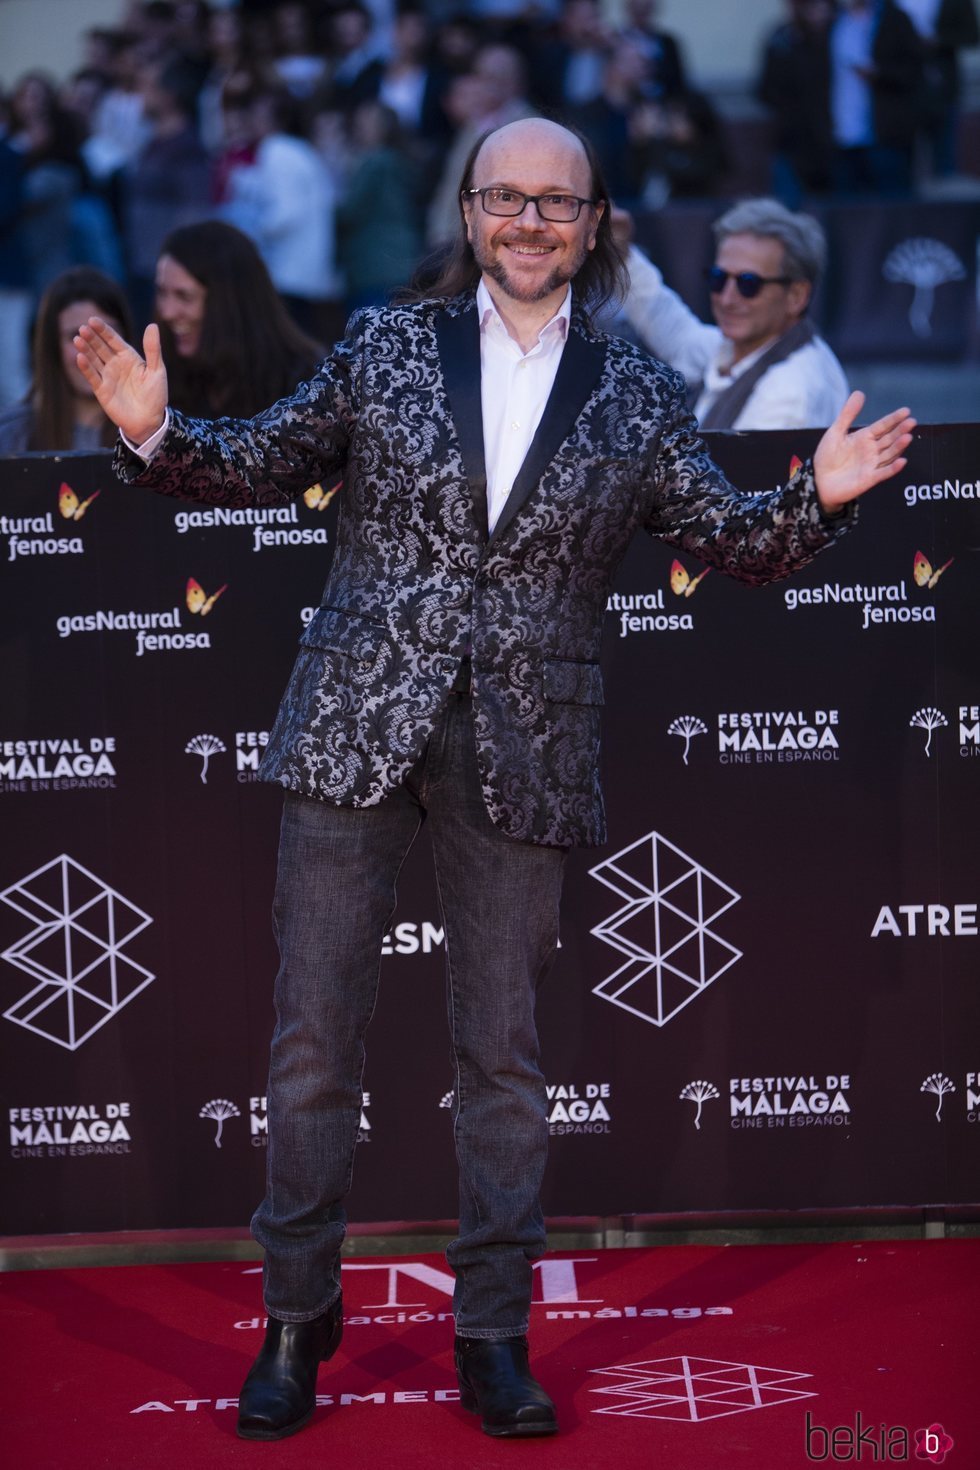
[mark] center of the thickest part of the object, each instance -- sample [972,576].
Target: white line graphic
[74,952]
[696,1389]
[663,928]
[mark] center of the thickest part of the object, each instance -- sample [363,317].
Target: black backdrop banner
[767,991]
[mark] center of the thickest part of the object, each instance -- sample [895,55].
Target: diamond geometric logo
[672,955]
[74,952]
[694,1389]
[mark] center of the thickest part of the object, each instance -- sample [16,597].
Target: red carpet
[692,1358]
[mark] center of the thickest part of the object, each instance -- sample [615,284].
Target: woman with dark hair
[229,345]
[60,410]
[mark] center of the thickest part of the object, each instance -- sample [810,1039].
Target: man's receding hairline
[534,124]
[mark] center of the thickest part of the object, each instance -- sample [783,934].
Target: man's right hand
[131,391]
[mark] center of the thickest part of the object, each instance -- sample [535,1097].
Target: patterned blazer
[416,580]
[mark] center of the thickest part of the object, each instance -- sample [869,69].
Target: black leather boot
[495,1382]
[279,1395]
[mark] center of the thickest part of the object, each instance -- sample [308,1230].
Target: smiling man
[498,454]
[763,366]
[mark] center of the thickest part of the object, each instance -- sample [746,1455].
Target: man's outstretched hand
[846,464]
[131,390]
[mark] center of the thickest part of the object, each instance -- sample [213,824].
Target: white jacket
[805,390]
[285,202]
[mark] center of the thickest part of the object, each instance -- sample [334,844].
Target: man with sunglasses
[762,366]
[498,454]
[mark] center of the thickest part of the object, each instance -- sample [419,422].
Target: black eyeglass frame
[528,199]
[748,284]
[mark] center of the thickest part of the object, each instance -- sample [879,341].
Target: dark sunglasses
[747,283]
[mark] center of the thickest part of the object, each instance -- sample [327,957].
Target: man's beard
[493,265]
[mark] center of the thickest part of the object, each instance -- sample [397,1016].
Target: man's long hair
[602,277]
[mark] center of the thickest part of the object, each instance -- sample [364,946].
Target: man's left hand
[846,464]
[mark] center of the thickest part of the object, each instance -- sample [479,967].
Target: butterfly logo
[316,498]
[69,504]
[922,571]
[197,599]
[681,583]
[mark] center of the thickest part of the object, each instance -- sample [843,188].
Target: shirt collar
[488,313]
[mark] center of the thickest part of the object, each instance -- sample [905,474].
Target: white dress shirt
[514,388]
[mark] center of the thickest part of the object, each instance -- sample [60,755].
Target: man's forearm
[665,325]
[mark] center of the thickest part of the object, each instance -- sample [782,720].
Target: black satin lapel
[578,372]
[459,354]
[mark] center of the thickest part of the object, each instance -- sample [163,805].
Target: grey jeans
[335,895]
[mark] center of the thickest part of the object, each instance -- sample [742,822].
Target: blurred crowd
[331,134]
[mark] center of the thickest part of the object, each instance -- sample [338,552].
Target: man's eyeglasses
[556,208]
[747,283]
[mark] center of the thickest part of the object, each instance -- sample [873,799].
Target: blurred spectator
[567,71]
[156,21]
[299,62]
[229,54]
[229,345]
[94,230]
[285,202]
[794,82]
[330,137]
[677,149]
[16,296]
[379,235]
[763,366]
[53,176]
[493,93]
[666,63]
[60,410]
[357,51]
[607,120]
[191,36]
[875,96]
[945,27]
[119,128]
[238,140]
[407,83]
[169,182]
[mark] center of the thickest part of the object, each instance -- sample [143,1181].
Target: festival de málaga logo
[271,525]
[38,536]
[156,632]
[969,716]
[58,763]
[766,737]
[803,1101]
[205,746]
[940,1086]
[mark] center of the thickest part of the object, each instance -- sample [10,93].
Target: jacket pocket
[567,681]
[336,631]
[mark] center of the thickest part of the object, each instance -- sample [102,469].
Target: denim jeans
[335,895]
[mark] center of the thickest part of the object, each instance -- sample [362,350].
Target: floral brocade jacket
[416,583]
